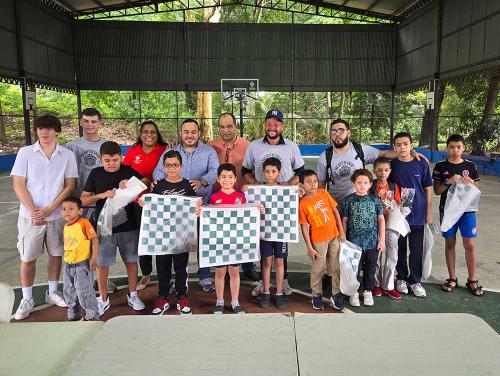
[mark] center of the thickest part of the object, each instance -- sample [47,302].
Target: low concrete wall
[488,166]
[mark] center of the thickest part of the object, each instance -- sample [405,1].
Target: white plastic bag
[396,221]
[427,252]
[461,198]
[349,258]
[113,213]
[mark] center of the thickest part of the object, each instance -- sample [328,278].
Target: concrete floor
[488,258]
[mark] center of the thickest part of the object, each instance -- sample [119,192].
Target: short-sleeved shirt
[342,167]
[234,155]
[77,237]
[362,219]
[412,177]
[143,163]
[100,181]
[44,177]
[387,196]
[445,169]
[286,151]
[221,198]
[181,188]
[317,211]
[87,158]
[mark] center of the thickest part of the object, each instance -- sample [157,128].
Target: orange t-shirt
[318,212]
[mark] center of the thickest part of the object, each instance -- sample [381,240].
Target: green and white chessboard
[281,218]
[229,234]
[168,225]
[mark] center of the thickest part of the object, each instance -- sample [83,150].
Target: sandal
[477,289]
[449,285]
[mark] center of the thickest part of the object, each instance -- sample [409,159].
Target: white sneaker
[135,302]
[418,290]
[401,286]
[354,300]
[56,298]
[103,306]
[25,308]
[287,290]
[367,298]
[258,289]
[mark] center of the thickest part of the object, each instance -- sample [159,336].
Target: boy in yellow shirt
[79,237]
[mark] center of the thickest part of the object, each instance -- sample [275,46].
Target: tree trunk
[341,104]
[204,99]
[430,122]
[3,134]
[485,128]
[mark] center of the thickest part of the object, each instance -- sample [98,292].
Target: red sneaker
[392,293]
[183,306]
[377,291]
[161,306]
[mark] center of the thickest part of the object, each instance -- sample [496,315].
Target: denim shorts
[126,242]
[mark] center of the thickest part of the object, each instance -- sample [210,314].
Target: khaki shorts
[33,239]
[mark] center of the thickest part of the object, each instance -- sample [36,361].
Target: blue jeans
[415,239]
[368,264]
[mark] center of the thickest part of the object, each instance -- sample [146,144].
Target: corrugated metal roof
[384,9]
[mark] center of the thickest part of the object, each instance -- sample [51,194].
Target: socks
[219,303]
[27,292]
[235,304]
[132,294]
[279,294]
[53,286]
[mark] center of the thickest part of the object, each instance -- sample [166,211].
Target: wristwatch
[203,182]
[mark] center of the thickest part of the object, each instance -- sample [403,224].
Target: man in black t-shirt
[101,185]
[446,173]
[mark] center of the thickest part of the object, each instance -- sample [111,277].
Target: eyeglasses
[339,131]
[172,165]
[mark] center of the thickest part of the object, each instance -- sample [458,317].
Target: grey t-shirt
[288,153]
[342,167]
[87,158]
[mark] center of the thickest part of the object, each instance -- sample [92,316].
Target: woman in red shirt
[143,157]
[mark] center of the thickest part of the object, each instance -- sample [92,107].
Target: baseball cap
[275,114]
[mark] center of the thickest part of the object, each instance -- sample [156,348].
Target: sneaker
[354,300]
[77,318]
[258,289]
[251,275]
[161,306]
[281,301]
[103,306]
[317,302]
[56,298]
[239,310]
[207,285]
[377,291]
[265,300]
[287,290]
[135,302]
[367,298]
[25,308]
[338,302]
[218,309]
[401,286]
[418,290]
[183,306]
[392,293]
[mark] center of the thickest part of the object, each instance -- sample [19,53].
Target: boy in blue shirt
[364,225]
[414,179]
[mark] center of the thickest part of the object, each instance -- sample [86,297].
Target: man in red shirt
[231,148]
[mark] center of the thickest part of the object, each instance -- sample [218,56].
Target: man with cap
[273,144]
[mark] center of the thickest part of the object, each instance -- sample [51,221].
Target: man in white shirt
[44,174]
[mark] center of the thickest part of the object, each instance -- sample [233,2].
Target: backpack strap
[359,151]
[328,156]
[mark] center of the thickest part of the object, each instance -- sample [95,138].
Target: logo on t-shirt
[465,173]
[343,169]
[218,201]
[237,201]
[137,159]
[90,159]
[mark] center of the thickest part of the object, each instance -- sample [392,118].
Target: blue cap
[275,114]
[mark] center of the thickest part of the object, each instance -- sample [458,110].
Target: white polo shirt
[44,177]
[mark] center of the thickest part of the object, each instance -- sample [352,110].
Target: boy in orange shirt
[322,230]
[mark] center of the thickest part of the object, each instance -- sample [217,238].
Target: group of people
[62,192]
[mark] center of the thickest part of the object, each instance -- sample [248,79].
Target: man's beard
[339,145]
[273,137]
